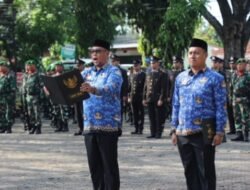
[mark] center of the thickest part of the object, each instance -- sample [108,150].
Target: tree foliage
[179,24]
[206,31]
[146,16]
[234,31]
[41,23]
[94,20]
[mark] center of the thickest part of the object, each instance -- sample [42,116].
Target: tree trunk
[233,41]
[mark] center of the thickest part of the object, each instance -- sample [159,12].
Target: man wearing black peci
[199,103]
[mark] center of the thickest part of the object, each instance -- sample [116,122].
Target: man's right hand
[174,139]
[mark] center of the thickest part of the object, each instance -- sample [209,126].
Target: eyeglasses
[97,51]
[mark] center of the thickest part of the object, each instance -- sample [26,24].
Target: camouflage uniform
[32,88]
[11,100]
[241,104]
[7,89]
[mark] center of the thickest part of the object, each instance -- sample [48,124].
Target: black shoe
[78,133]
[38,131]
[239,137]
[134,133]
[32,130]
[158,136]
[2,131]
[140,132]
[151,136]
[246,136]
[8,131]
[231,133]
[58,130]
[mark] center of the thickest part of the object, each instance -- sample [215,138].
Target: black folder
[65,88]
[208,130]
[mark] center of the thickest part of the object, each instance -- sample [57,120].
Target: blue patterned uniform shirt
[198,97]
[102,111]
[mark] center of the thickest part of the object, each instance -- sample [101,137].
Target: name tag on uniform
[185,81]
[203,80]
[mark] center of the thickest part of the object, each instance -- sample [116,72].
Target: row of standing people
[33,100]
[237,79]
[152,89]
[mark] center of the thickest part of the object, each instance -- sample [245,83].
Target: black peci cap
[198,43]
[101,43]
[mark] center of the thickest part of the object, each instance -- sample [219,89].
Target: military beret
[198,43]
[30,62]
[241,60]
[58,63]
[3,62]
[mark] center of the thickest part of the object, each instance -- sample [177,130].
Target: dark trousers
[156,118]
[79,114]
[192,153]
[230,114]
[138,114]
[102,159]
[209,158]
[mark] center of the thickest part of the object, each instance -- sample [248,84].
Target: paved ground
[57,161]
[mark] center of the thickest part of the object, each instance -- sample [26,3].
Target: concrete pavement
[53,161]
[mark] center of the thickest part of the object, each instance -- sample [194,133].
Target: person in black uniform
[79,106]
[177,68]
[137,80]
[155,97]
[124,88]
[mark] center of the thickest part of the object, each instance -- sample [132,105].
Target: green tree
[146,16]
[234,31]
[177,29]
[41,23]
[94,20]
[173,29]
[207,32]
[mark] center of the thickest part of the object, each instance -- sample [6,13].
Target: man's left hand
[217,140]
[159,103]
[86,87]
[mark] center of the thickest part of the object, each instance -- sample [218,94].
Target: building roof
[125,41]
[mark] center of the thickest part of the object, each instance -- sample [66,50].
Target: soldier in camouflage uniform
[11,99]
[32,88]
[7,89]
[241,101]
[60,113]
[229,74]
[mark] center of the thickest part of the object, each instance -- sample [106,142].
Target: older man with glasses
[102,117]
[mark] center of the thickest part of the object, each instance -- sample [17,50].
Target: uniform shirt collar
[191,73]
[102,68]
